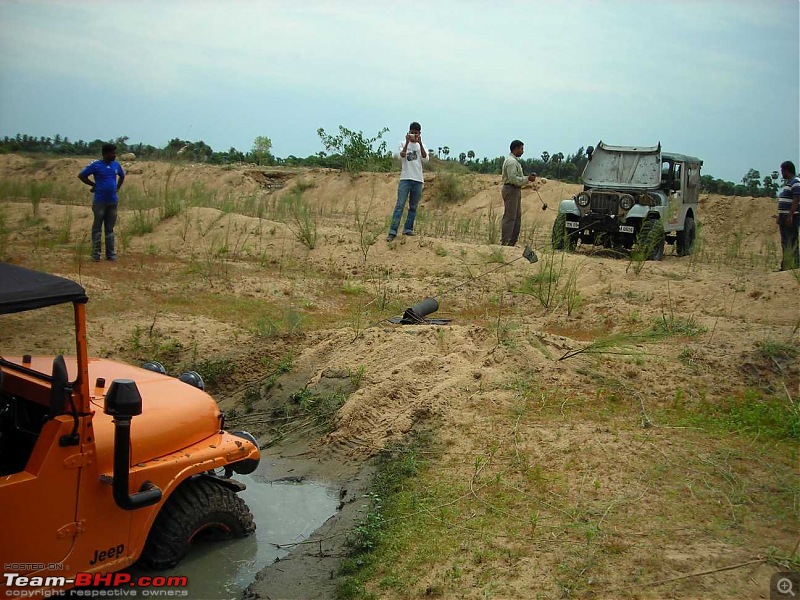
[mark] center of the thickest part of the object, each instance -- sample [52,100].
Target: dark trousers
[105,217]
[790,251]
[512,217]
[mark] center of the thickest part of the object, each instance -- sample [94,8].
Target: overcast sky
[715,79]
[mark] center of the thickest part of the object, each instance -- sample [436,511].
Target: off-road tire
[650,242]
[685,244]
[200,509]
[561,238]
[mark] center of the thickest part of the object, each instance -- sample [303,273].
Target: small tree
[357,151]
[369,230]
[556,160]
[750,176]
[262,146]
[471,155]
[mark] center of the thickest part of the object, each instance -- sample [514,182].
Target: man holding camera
[411,152]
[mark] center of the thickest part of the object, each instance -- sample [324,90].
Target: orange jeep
[102,463]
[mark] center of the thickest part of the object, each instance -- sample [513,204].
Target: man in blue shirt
[789,216]
[108,178]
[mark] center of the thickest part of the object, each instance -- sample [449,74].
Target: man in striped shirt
[789,216]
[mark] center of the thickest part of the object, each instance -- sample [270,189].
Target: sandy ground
[209,280]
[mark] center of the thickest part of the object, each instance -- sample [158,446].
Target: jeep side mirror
[676,184]
[59,387]
[123,402]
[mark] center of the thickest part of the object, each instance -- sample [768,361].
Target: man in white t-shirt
[411,152]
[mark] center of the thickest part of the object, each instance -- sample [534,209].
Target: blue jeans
[105,217]
[411,190]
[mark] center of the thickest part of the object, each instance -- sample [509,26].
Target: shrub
[449,188]
[357,151]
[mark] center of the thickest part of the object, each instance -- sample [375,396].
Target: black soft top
[22,289]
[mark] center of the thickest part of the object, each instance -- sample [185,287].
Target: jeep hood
[175,415]
[633,167]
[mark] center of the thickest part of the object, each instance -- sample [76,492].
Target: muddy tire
[561,238]
[199,510]
[650,243]
[685,244]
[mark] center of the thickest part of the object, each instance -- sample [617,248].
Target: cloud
[472,70]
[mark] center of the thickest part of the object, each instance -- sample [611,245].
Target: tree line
[353,151]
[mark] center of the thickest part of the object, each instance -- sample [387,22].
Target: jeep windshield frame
[22,290]
[626,167]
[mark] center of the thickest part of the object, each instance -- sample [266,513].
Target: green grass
[265,327]
[533,489]
[320,407]
[215,370]
[390,497]
[350,288]
[750,413]
[304,220]
[672,324]
[778,350]
[544,285]
[149,343]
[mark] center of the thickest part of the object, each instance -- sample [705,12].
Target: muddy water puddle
[284,512]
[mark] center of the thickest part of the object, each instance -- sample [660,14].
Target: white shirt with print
[412,164]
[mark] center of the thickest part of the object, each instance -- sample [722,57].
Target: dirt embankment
[226,282]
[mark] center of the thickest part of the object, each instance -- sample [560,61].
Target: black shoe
[390,237]
[409,233]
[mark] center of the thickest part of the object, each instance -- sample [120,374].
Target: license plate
[573,225]
[626,228]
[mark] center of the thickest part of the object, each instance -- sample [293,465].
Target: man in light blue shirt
[108,178]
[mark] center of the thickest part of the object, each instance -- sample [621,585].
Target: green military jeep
[633,197]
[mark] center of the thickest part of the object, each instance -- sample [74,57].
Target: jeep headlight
[626,202]
[583,200]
